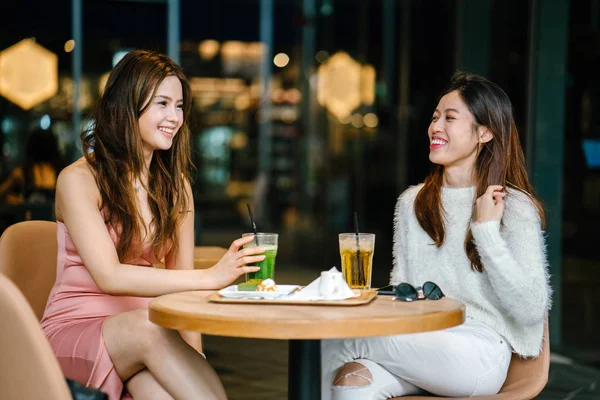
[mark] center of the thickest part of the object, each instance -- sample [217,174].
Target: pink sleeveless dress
[75,313]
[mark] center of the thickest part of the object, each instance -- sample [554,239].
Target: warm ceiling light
[28,74]
[357,121]
[69,45]
[208,49]
[232,50]
[281,60]
[371,120]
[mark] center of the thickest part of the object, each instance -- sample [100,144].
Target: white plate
[232,292]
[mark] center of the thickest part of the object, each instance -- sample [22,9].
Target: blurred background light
[28,74]
[7,125]
[288,115]
[45,122]
[242,102]
[208,49]
[371,120]
[238,141]
[293,96]
[357,121]
[367,85]
[322,56]
[345,119]
[255,50]
[232,50]
[69,45]
[281,60]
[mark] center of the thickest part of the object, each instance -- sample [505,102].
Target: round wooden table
[304,326]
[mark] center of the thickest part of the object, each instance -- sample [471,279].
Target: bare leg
[353,374]
[364,379]
[143,386]
[135,343]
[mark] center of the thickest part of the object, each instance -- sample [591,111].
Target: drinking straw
[253,223]
[358,263]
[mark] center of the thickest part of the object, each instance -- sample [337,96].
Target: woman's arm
[515,262]
[77,204]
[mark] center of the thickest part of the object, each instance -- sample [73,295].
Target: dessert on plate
[268,285]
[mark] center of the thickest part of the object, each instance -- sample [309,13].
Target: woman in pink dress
[121,209]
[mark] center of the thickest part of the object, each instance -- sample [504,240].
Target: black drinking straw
[253,223]
[358,263]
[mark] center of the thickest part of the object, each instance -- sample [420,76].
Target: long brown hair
[113,148]
[499,161]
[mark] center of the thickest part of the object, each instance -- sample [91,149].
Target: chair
[28,368]
[207,256]
[525,379]
[28,254]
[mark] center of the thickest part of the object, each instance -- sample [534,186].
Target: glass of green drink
[267,266]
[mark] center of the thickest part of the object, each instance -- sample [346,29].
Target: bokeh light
[281,60]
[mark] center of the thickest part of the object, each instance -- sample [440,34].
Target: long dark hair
[113,147]
[499,161]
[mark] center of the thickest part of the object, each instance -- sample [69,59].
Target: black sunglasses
[407,292]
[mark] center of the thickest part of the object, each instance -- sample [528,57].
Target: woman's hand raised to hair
[234,262]
[490,206]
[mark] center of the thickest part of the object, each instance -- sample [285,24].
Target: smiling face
[162,119]
[453,135]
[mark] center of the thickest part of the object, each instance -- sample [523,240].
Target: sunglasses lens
[406,292]
[432,291]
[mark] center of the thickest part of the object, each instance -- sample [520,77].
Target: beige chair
[28,368]
[28,253]
[207,256]
[525,380]
[28,256]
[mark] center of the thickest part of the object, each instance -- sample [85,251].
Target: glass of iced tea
[356,252]
[267,266]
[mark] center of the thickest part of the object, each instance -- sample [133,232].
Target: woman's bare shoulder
[76,182]
[79,172]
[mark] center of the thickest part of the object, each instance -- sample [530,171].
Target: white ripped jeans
[467,360]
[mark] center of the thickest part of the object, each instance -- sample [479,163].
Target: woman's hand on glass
[490,206]
[235,262]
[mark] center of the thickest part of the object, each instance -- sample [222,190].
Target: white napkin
[329,286]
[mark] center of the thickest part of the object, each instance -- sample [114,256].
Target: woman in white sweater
[474,228]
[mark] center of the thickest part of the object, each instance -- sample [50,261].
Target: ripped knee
[353,374]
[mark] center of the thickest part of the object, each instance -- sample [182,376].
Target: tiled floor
[257,369]
[571,381]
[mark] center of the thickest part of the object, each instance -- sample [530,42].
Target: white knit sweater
[512,295]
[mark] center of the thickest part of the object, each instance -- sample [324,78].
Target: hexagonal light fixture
[28,74]
[343,84]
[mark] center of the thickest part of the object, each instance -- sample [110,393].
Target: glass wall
[581,196]
[343,127]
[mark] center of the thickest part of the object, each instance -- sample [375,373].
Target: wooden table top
[383,316]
